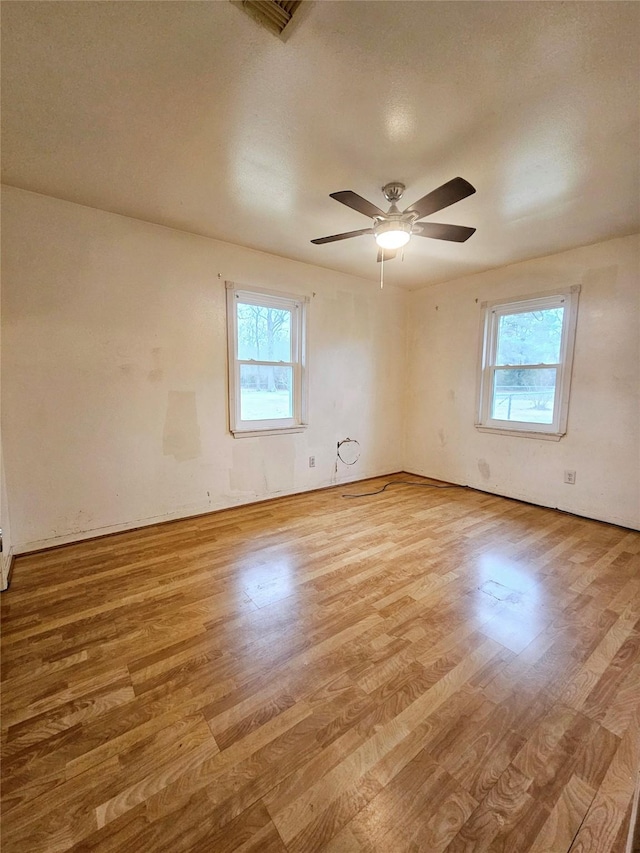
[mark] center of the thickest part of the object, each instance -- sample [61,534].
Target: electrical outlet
[312,462]
[570,477]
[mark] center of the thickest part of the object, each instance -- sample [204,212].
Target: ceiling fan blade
[389,254]
[356,202]
[454,233]
[449,193]
[332,239]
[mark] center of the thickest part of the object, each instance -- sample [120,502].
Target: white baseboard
[193,511]
[630,524]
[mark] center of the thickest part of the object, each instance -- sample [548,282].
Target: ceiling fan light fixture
[393,235]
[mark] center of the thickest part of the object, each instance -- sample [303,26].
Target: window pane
[264,333]
[265,392]
[530,338]
[524,395]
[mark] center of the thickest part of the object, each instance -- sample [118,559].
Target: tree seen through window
[264,335]
[528,338]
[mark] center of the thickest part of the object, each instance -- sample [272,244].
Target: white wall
[603,440]
[114,335]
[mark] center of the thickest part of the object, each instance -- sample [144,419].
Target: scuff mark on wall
[263,465]
[248,474]
[485,470]
[181,436]
[442,437]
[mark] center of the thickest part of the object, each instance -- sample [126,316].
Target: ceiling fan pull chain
[382,271]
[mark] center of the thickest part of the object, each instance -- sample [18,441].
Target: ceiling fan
[394,229]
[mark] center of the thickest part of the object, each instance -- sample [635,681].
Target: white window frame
[492,312]
[298,307]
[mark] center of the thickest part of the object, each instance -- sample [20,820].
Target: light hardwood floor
[422,670]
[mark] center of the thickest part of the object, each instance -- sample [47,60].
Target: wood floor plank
[419,670]
[606,813]
[496,815]
[559,830]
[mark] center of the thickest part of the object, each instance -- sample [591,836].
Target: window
[267,362]
[525,365]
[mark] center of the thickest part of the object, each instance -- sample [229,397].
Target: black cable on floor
[401,483]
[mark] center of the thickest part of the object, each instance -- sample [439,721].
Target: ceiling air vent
[272,14]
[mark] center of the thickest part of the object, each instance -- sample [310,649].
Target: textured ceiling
[191,115]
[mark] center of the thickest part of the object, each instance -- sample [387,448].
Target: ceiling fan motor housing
[393,191]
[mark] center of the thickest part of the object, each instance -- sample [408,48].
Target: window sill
[522,433]
[255,433]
